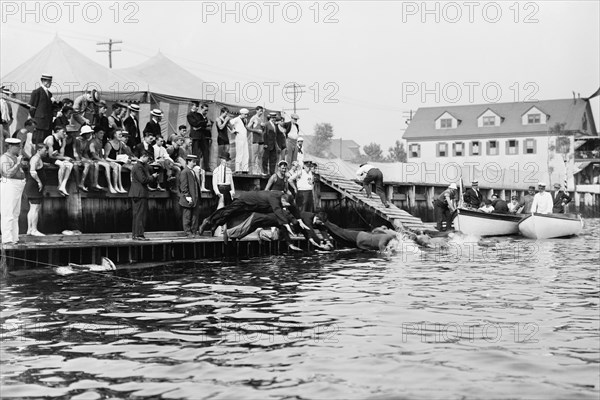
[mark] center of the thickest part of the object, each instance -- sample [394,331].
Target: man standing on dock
[444,207]
[12,184]
[561,199]
[473,197]
[368,174]
[140,178]
[542,201]
[189,197]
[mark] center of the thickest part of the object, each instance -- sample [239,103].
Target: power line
[110,49]
[297,91]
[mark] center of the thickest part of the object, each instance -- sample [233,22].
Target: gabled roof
[72,72]
[489,109]
[537,108]
[447,112]
[349,148]
[569,111]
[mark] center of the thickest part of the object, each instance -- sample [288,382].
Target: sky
[364,66]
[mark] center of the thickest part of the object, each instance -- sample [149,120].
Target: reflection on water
[507,319]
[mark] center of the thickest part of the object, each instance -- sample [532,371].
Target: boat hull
[549,226]
[478,223]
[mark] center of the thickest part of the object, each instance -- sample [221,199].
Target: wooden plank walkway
[396,216]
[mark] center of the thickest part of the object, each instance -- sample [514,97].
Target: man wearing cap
[242,155]
[293,135]
[132,126]
[189,197]
[222,181]
[279,181]
[560,199]
[12,184]
[473,197]
[270,145]
[444,207]
[369,174]
[138,192]
[526,201]
[40,110]
[82,106]
[542,201]
[256,126]
[153,126]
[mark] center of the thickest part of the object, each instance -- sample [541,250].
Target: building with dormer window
[506,134]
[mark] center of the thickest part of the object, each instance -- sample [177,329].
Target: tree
[397,153]
[374,152]
[319,146]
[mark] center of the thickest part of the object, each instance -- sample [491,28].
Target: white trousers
[11,191]
[242,154]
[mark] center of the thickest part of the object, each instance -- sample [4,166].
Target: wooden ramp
[396,216]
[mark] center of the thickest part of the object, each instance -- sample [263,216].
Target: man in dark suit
[255,201]
[560,199]
[41,109]
[153,126]
[200,133]
[473,197]
[147,145]
[140,178]
[270,145]
[189,197]
[132,126]
[500,206]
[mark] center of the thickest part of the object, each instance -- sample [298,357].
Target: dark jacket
[500,206]
[270,136]
[188,186]
[559,198]
[137,150]
[41,108]
[473,198]
[281,136]
[199,126]
[133,128]
[140,178]
[153,128]
[267,202]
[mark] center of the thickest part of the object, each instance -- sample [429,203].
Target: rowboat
[548,226]
[479,223]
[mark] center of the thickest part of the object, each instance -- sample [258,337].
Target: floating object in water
[548,226]
[106,265]
[479,223]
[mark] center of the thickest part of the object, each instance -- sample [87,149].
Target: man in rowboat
[473,197]
[560,199]
[542,201]
[527,201]
[444,207]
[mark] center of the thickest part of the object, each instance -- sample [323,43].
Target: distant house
[511,135]
[347,150]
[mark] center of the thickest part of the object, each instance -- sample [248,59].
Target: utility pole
[408,115]
[110,49]
[296,91]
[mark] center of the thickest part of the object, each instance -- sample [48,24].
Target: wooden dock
[60,250]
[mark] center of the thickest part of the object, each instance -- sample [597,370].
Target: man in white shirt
[293,137]
[222,181]
[242,154]
[305,183]
[161,156]
[368,174]
[255,126]
[542,201]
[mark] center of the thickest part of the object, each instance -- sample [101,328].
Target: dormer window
[489,121]
[446,123]
[534,116]
[533,119]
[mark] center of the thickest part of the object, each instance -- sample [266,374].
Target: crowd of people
[542,202]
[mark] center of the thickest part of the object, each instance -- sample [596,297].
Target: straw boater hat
[475,183]
[272,115]
[46,77]
[244,111]
[190,157]
[541,184]
[300,139]
[294,116]
[557,185]
[12,141]
[134,107]
[156,113]
[6,91]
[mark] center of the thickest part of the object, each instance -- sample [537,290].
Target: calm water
[514,319]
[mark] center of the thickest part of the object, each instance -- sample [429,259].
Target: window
[458,149]
[533,119]
[512,147]
[489,121]
[475,149]
[492,148]
[442,150]
[415,150]
[446,123]
[530,146]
